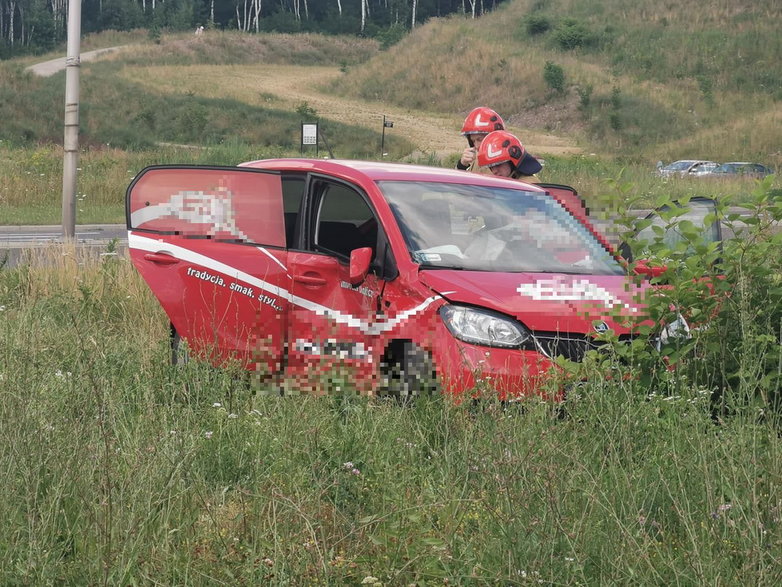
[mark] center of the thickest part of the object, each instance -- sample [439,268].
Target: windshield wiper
[430,266]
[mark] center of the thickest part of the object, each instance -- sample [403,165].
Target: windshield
[678,166]
[458,226]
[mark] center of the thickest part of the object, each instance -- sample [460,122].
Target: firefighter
[505,156]
[479,123]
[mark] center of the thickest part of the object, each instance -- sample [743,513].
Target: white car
[687,168]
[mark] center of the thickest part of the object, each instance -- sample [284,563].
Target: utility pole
[71,139]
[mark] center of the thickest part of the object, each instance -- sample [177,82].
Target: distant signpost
[386,124]
[309,135]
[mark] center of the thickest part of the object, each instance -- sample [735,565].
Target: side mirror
[359,264]
[642,267]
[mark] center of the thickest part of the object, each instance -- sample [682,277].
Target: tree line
[34,26]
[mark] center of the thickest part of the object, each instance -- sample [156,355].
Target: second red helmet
[501,146]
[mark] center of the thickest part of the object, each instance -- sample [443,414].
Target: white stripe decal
[273,258]
[151,245]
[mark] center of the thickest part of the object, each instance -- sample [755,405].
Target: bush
[571,35]
[730,294]
[537,24]
[391,35]
[305,111]
[554,76]
[584,96]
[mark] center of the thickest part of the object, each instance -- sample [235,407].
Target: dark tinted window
[344,221]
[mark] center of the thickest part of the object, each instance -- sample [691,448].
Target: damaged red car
[388,278]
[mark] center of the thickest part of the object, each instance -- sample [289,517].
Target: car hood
[544,302]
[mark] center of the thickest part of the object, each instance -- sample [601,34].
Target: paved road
[52,66]
[90,238]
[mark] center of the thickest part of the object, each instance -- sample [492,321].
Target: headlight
[484,327]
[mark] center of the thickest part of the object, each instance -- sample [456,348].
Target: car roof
[382,171]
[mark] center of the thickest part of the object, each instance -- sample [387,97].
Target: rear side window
[226,204]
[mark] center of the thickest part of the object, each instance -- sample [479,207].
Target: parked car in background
[741,168]
[687,168]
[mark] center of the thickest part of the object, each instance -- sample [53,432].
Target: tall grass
[122,470]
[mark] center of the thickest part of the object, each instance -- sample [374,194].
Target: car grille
[570,346]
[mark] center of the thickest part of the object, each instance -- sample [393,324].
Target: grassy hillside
[116,111]
[647,82]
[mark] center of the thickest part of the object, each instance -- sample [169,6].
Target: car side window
[292,195]
[343,221]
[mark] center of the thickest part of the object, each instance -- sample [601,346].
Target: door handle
[161,258]
[309,279]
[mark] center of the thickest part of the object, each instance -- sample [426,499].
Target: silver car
[687,168]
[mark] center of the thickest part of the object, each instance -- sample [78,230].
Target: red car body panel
[211,243]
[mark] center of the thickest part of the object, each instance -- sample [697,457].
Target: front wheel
[408,373]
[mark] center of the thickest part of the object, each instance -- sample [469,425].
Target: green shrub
[554,76]
[730,293]
[391,36]
[584,96]
[706,85]
[154,34]
[305,111]
[537,24]
[616,98]
[571,34]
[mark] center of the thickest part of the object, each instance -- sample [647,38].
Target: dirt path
[47,68]
[287,86]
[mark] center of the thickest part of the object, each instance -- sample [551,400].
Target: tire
[408,373]
[180,352]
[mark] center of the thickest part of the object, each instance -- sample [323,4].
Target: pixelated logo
[214,209]
[558,289]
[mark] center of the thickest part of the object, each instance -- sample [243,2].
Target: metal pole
[71,138]
[383,138]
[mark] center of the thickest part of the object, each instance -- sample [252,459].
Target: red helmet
[501,146]
[482,120]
